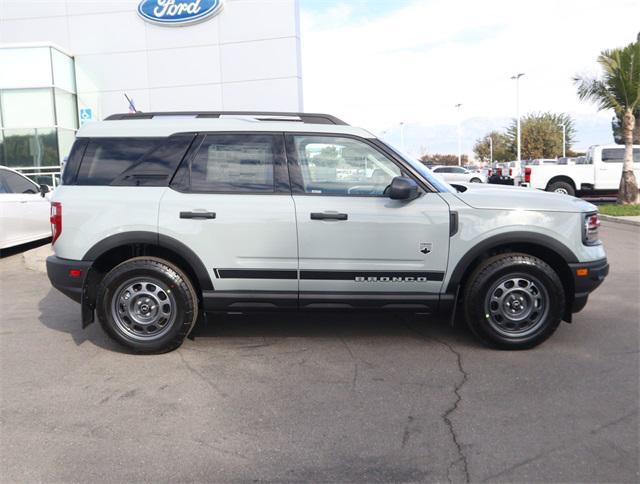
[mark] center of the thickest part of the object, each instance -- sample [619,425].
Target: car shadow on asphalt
[59,314]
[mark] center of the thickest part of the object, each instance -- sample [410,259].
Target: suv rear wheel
[147,304]
[514,301]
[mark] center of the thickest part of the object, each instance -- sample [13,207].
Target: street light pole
[459,136]
[517,79]
[490,149]
[564,140]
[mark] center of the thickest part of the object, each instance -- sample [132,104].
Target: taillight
[56,221]
[527,174]
[590,229]
[499,171]
[489,173]
[510,171]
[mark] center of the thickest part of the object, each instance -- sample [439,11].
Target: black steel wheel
[147,304]
[514,301]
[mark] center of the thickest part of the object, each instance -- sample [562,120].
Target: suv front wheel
[147,304]
[514,301]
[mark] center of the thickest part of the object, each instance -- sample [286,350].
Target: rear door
[609,171]
[358,248]
[230,202]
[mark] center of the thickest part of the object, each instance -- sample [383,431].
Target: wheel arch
[550,250]
[561,178]
[117,248]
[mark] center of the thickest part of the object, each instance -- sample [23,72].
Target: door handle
[328,216]
[198,215]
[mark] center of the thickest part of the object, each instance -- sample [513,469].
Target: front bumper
[592,275]
[60,276]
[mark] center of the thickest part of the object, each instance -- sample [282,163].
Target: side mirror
[403,188]
[43,189]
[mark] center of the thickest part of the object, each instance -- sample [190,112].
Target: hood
[505,197]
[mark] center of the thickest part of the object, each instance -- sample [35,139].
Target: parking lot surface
[329,398]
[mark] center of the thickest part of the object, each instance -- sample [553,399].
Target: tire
[513,301]
[561,187]
[475,180]
[147,304]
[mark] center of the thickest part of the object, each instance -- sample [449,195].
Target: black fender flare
[159,240]
[520,237]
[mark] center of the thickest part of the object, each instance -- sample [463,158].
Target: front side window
[342,166]
[234,163]
[18,184]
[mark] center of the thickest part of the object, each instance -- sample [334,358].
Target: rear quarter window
[105,159]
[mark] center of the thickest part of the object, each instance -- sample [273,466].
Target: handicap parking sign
[86,114]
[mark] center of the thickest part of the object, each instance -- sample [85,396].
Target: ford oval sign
[178,12]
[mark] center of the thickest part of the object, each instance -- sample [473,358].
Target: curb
[611,218]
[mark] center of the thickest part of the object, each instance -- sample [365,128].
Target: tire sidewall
[564,185]
[136,269]
[476,303]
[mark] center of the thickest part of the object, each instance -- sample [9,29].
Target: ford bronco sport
[163,217]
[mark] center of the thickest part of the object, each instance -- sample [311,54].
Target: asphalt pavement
[323,398]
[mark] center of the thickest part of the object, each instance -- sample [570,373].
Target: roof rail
[307,118]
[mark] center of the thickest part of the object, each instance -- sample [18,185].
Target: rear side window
[158,166]
[234,163]
[4,188]
[105,159]
[616,155]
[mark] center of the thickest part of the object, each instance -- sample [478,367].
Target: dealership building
[67,62]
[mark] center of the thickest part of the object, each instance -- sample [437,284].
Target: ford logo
[178,12]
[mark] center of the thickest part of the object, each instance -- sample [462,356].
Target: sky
[378,63]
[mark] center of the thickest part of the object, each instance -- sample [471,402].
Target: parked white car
[600,174]
[24,209]
[459,174]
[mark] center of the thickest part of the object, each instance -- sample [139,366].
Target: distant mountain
[443,138]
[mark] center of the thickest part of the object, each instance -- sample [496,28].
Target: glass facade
[38,109]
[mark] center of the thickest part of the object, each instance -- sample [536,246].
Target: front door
[231,204]
[357,247]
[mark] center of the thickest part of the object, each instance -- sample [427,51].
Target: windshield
[435,181]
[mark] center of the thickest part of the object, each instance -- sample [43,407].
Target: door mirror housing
[403,188]
[44,189]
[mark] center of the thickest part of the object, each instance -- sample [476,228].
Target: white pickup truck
[599,175]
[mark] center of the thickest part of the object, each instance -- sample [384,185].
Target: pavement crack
[448,414]
[354,380]
[407,431]
[202,377]
[450,411]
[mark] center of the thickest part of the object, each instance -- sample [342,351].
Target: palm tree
[618,89]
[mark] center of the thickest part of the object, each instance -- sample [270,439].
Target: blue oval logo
[178,12]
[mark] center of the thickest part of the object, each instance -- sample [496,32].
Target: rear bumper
[596,271]
[501,180]
[58,272]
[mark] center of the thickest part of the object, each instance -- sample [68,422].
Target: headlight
[590,226]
